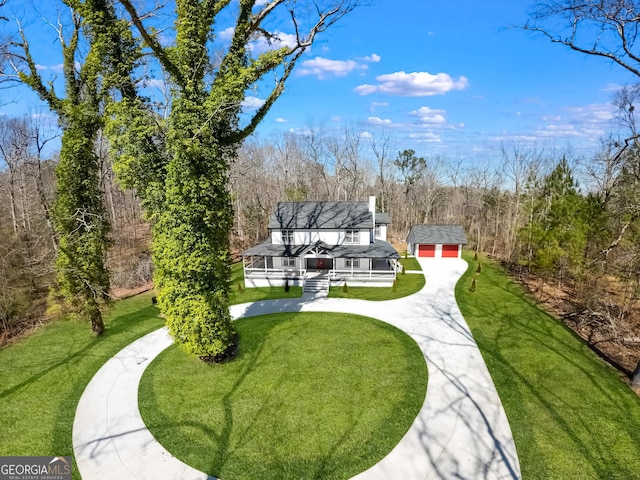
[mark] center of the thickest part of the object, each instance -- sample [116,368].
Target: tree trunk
[635,377]
[97,324]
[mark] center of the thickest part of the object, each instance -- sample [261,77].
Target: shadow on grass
[225,441]
[569,412]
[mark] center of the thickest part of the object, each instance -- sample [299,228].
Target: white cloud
[252,103]
[261,44]
[54,68]
[366,135]
[324,67]
[416,84]
[226,34]
[427,115]
[378,121]
[428,137]
[278,40]
[280,120]
[374,57]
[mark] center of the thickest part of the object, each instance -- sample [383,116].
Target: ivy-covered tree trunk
[99,55]
[180,167]
[80,222]
[191,237]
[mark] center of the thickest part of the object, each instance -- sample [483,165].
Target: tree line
[202,184]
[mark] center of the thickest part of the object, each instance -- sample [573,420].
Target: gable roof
[431,234]
[382,218]
[322,215]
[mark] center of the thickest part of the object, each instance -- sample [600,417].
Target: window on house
[377,232]
[289,262]
[352,262]
[352,236]
[287,237]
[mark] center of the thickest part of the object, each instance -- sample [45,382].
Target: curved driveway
[461,431]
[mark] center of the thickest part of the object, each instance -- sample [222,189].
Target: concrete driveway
[461,431]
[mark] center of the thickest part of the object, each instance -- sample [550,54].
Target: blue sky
[452,79]
[443,78]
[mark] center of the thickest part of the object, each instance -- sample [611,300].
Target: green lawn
[410,263]
[571,415]
[406,284]
[43,376]
[311,395]
[256,294]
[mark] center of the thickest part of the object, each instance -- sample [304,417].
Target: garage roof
[432,234]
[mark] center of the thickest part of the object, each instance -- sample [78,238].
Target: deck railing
[356,274]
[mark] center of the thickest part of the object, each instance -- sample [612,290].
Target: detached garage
[437,241]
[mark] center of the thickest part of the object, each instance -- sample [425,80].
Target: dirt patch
[122,293]
[596,315]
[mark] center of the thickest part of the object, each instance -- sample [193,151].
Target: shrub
[404,270]
[345,288]
[394,288]
[240,287]
[286,285]
[479,269]
[472,288]
[475,256]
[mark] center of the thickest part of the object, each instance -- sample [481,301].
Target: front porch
[263,271]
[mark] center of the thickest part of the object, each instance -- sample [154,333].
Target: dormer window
[352,236]
[287,237]
[377,233]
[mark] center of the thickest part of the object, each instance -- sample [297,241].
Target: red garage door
[426,250]
[450,251]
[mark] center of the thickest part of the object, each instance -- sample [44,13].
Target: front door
[319,263]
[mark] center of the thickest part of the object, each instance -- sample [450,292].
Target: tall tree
[185,191]
[78,212]
[558,227]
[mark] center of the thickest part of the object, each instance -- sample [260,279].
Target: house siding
[330,237]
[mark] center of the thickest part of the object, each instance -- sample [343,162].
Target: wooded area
[579,247]
[182,164]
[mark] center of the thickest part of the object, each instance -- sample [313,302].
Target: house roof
[324,215]
[379,249]
[431,234]
[382,217]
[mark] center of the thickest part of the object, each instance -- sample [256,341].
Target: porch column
[265,266]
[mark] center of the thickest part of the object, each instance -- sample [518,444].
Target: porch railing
[373,274]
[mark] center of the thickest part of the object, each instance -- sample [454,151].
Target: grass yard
[43,376]
[311,395]
[570,414]
[406,284]
[256,294]
[410,263]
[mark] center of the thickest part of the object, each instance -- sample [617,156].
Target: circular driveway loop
[461,431]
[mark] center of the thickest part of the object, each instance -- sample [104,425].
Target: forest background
[565,225]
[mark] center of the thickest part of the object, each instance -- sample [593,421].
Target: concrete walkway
[461,431]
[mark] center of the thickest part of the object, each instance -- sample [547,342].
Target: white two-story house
[343,241]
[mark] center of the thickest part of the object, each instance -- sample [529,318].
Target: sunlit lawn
[570,414]
[43,376]
[311,395]
[410,263]
[240,294]
[406,284]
